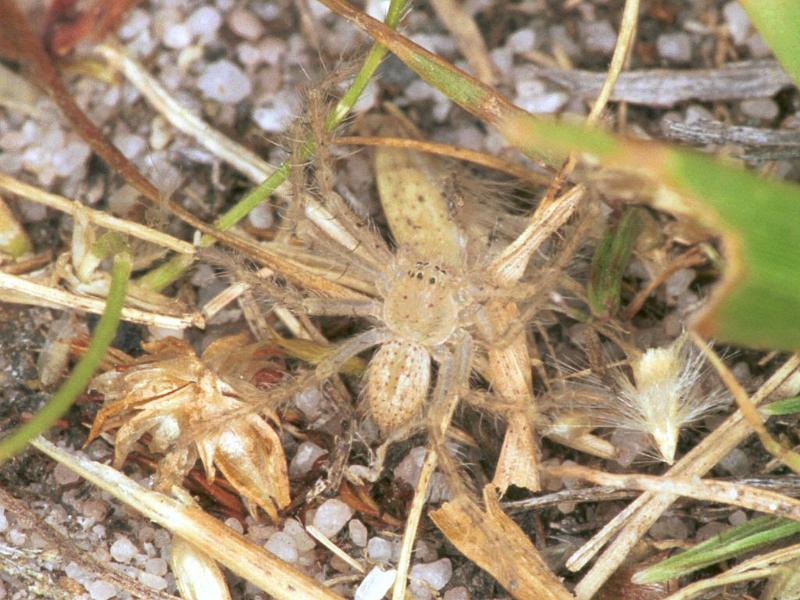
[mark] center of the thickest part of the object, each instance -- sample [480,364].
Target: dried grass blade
[723,492]
[98,217]
[23,291]
[491,540]
[221,543]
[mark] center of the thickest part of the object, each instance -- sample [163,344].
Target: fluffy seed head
[665,394]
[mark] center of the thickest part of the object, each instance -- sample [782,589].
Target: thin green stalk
[167,273]
[728,544]
[79,378]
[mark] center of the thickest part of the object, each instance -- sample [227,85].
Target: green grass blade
[778,22]
[80,376]
[609,262]
[787,406]
[729,544]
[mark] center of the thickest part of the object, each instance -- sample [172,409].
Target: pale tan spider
[442,290]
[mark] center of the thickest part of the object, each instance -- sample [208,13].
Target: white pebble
[65,476]
[204,22]
[331,516]
[12,141]
[272,50]
[234,524]
[409,468]
[130,145]
[101,590]
[310,403]
[282,545]
[358,532]
[456,593]
[434,575]
[248,54]
[245,24]
[67,160]
[521,41]
[679,282]
[760,108]
[224,82]
[156,566]
[305,543]
[177,36]
[3,519]
[95,510]
[379,549]
[152,581]
[738,22]
[277,113]
[261,216]
[137,22]
[16,537]
[307,454]
[123,550]
[376,584]
[598,36]
[675,47]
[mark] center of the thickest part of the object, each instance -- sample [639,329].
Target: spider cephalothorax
[421,303]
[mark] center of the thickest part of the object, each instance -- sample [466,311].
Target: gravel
[675,47]
[376,584]
[358,532]
[224,82]
[332,516]
[123,550]
[379,550]
[282,545]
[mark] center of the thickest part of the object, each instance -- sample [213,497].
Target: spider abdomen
[397,385]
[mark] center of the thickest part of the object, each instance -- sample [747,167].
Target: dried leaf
[170,393]
[495,543]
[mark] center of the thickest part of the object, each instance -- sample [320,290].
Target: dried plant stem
[787,456]
[723,492]
[99,218]
[20,290]
[467,37]
[221,543]
[412,524]
[639,516]
[271,180]
[79,378]
[465,154]
[184,120]
[328,543]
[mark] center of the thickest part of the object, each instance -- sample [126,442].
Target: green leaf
[778,22]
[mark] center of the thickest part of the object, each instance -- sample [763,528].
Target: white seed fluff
[665,394]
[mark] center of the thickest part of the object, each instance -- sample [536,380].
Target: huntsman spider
[439,294]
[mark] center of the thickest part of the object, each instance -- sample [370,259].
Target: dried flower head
[666,394]
[170,393]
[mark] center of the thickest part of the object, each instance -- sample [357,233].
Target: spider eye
[419,275]
[432,280]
